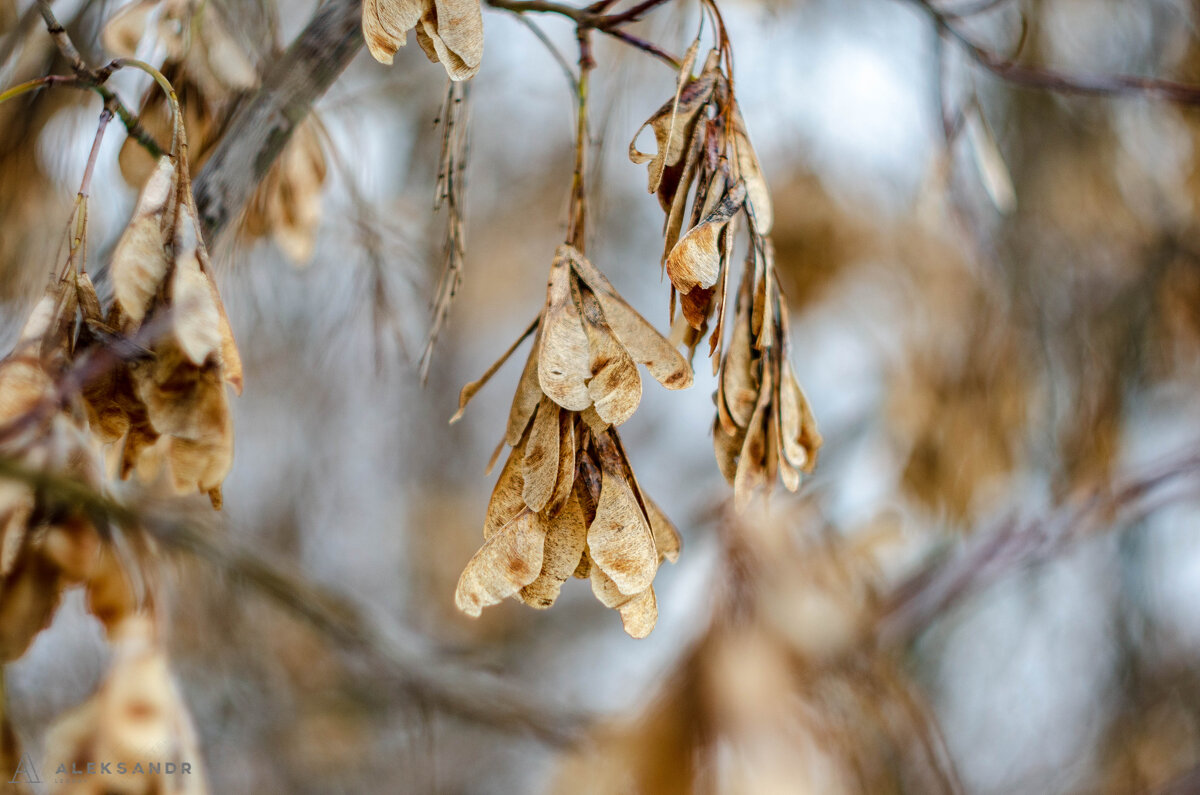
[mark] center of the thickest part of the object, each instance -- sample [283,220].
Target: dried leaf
[506,563]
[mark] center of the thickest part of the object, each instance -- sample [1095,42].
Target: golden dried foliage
[567,502]
[449,31]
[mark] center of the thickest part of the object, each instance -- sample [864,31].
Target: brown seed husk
[506,563]
[619,538]
[563,369]
[565,539]
[616,387]
[541,462]
[643,342]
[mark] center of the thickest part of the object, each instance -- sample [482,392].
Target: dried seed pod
[169,408]
[449,31]
[136,708]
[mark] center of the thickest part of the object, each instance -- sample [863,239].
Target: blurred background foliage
[943,608]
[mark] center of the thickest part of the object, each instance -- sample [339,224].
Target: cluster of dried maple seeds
[764,427]
[581,512]
[147,381]
[143,385]
[567,502]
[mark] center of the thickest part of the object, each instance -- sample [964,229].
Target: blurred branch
[1010,71]
[1014,544]
[450,686]
[593,18]
[265,121]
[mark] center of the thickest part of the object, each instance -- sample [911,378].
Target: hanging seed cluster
[567,502]
[764,428]
[146,380]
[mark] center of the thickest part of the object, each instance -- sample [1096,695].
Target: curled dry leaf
[448,31]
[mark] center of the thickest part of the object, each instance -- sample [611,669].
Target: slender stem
[577,227]
[62,39]
[178,136]
[105,117]
[1053,80]
[34,85]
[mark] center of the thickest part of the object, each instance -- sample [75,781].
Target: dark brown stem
[577,226]
[105,117]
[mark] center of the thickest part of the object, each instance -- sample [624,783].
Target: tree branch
[450,686]
[264,122]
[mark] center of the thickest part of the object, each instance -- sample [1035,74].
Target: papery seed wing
[619,538]
[429,37]
[673,124]
[751,465]
[507,499]
[641,340]
[386,24]
[566,535]
[195,319]
[460,27]
[666,536]
[540,466]
[563,357]
[140,260]
[506,563]
[563,488]
[727,447]
[640,614]
[758,195]
[616,387]
[528,395]
[696,259]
